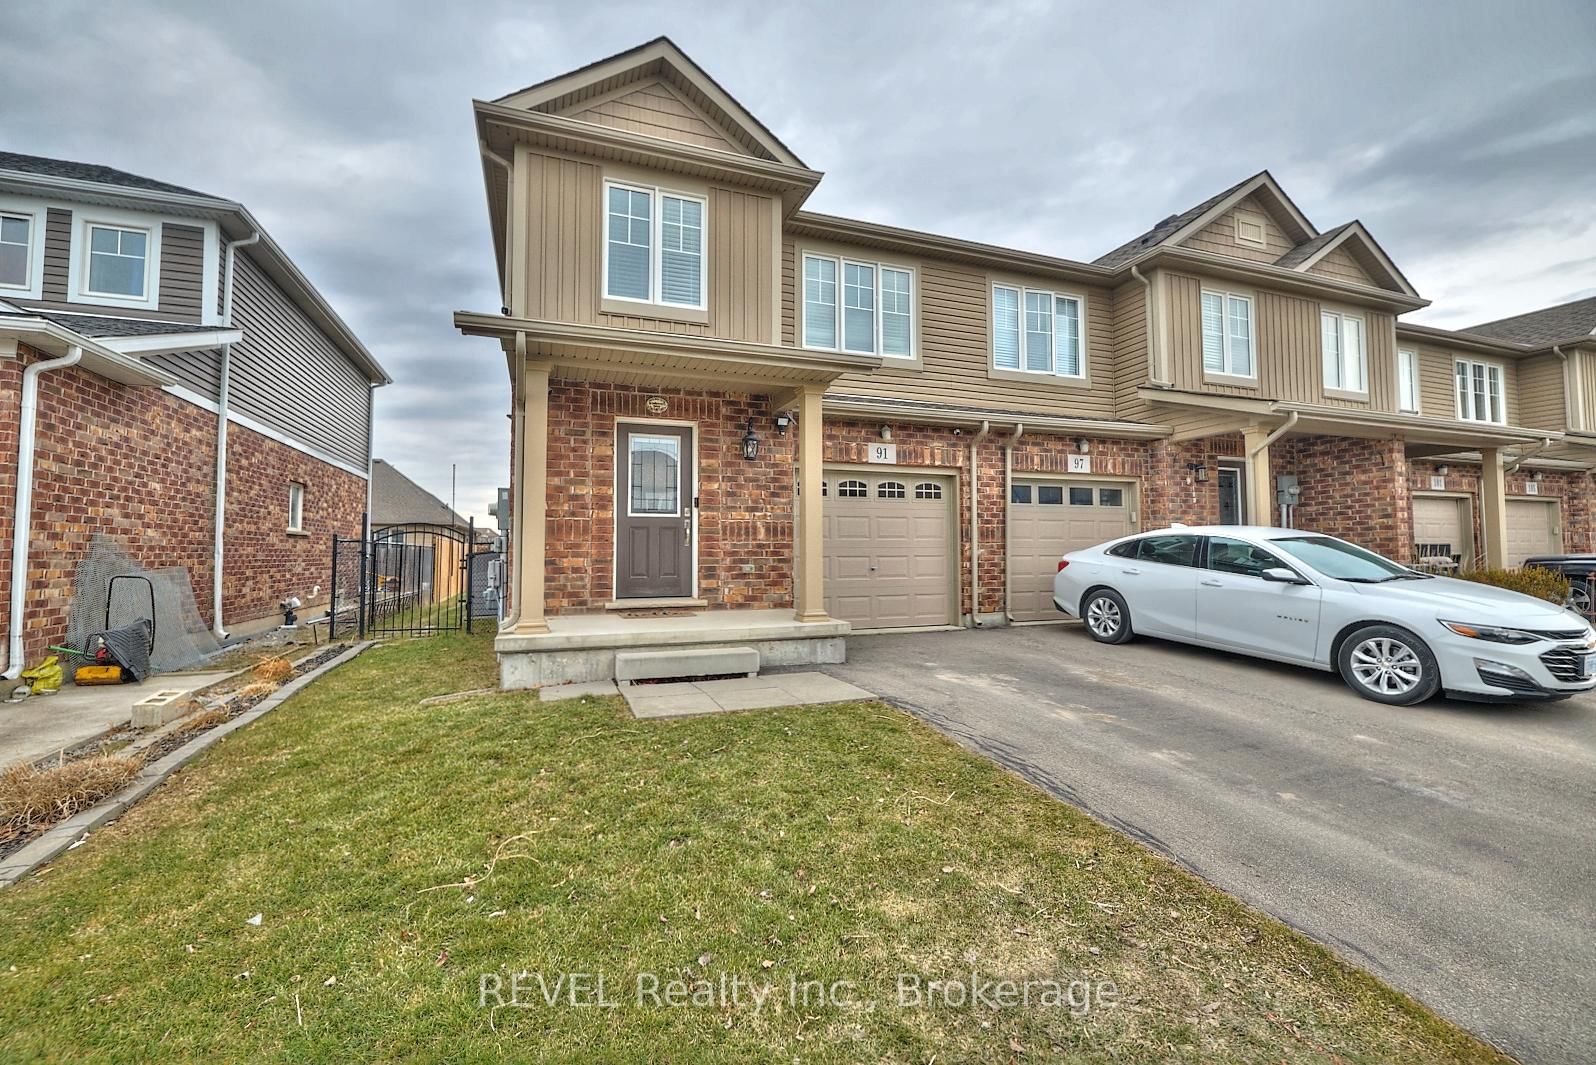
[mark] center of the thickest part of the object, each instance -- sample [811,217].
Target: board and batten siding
[1587,385]
[1287,348]
[953,341]
[564,214]
[179,288]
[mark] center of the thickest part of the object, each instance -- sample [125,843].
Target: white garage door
[888,544]
[1049,518]
[1533,528]
[1438,527]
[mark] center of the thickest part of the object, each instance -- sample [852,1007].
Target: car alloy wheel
[1387,666]
[1579,599]
[1104,618]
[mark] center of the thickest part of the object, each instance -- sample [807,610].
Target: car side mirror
[1281,575]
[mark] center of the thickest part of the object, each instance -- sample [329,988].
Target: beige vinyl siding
[1130,350]
[565,234]
[1587,378]
[656,111]
[954,346]
[1339,265]
[1540,393]
[1286,348]
[1438,383]
[1219,236]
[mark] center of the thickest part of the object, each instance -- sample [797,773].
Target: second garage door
[1533,528]
[888,548]
[1049,518]
[1438,530]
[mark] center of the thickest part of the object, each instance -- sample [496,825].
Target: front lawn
[833,848]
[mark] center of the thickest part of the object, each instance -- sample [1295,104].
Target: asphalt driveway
[1448,848]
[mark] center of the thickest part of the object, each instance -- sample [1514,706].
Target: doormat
[664,612]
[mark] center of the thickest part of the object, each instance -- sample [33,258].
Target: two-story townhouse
[738,421]
[174,392]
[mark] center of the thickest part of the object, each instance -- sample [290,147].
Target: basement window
[296,507]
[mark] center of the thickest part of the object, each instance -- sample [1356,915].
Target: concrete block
[685,662]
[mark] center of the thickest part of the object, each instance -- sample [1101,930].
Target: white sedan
[1394,635]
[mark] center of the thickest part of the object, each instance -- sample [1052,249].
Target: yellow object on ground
[98,675]
[44,677]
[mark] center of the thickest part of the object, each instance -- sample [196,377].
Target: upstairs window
[1479,392]
[654,247]
[859,307]
[1408,382]
[16,250]
[1227,334]
[1342,345]
[119,260]
[1037,332]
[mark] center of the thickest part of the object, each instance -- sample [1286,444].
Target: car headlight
[1492,633]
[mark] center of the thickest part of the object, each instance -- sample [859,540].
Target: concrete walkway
[41,725]
[741,693]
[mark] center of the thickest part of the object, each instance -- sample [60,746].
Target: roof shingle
[103,175]
[397,500]
[1163,230]
[1549,325]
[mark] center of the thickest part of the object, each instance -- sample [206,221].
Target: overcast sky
[1463,134]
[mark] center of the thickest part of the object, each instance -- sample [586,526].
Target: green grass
[840,843]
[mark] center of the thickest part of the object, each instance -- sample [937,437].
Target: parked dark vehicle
[1581,573]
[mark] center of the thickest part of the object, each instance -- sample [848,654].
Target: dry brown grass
[258,688]
[273,670]
[205,719]
[32,798]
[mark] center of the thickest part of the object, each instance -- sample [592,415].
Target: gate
[405,580]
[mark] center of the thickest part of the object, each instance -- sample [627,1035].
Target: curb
[62,837]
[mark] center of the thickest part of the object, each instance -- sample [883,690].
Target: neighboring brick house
[772,424]
[169,381]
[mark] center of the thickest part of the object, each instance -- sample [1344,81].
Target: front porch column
[1260,481]
[810,582]
[532,490]
[1493,507]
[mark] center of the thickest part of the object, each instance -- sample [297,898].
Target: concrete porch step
[664,663]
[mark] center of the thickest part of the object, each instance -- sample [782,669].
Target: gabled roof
[1177,227]
[397,500]
[1566,322]
[1364,249]
[100,175]
[659,58]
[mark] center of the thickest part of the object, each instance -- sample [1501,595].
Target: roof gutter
[22,527]
[219,510]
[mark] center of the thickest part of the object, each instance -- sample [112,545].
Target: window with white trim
[16,250]
[654,246]
[1035,331]
[1407,381]
[860,307]
[119,261]
[1227,334]
[296,507]
[1342,345]
[1479,392]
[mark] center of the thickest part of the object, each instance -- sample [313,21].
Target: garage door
[1049,518]
[1438,527]
[887,546]
[1533,528]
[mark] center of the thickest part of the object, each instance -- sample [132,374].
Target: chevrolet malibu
[1395,635]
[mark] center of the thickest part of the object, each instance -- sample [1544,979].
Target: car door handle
[1210,583]
[1130,571]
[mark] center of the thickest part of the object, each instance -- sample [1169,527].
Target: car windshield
[1333,558]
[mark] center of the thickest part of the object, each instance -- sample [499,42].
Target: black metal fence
[406,580]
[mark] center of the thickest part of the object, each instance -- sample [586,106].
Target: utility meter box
[1287,491]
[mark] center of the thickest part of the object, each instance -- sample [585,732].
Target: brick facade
[138,466]
[1572,489]
[1352,488]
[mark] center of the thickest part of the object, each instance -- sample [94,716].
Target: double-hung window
[1479,392]
[1342,344]
[1227,334]
[1035,331]
[16,250]
[859,307]
[654,246]
[119,261]
[1407,381]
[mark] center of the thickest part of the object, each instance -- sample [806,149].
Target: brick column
[532,488]
[811,595]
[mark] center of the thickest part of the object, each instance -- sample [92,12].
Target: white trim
[842,262]
[1242,217]
[190,396]
[1410,356]
[1369,245]
[1054,295]
[296,497]
[656,249]
[85,216]
[166,343]
[1342,318]
[1226,367]
[211,276]
[1500,396]
[38,215]
[1217,211]
[615,508]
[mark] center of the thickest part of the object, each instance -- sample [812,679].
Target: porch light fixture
[886,432]
[783,419]
[1199,472]
[1083,445]
[1535,475]
[1443,469]
[750,443]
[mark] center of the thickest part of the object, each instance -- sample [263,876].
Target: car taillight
[1062,563]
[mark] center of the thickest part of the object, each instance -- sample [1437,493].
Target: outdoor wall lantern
[1199,472]
[750,443]
[1443,469]
[886,432]
[783,419]
[1083,445]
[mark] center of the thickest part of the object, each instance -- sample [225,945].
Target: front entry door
[1229,496]
[654,483]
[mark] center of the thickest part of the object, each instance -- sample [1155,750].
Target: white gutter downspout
[22,530]
[975,527]
[1527,455]
[1008,494]
[1573,413]
[517,482]
[1263,445]
[219,533]
[1149,324]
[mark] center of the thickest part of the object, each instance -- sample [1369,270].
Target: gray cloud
[1461,134]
